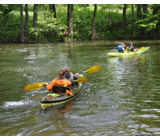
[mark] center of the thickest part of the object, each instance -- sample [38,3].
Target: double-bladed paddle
[34,86]
[93,69]
[40,85]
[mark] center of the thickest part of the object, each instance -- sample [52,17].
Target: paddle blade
[34,86]
[142,48]
[82,80]
[93,69]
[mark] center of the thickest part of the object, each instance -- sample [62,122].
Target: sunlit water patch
[14,104]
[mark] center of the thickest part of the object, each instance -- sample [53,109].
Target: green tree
[6,9]
[93,23]
[151,21]
[35,16]
[133,22]
[145,10]
[26,22]
[22,39]
[48,28]
[139,12]
[70,19]
[46,23]
[54,10]
[124,16]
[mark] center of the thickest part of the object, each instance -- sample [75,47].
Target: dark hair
[61,72]
[130,43]
[66,69]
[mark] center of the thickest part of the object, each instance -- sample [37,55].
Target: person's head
[131,44]
[122,43]
[66,70]
[61,73]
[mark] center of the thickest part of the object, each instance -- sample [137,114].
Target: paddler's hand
[45,84]
[83,72]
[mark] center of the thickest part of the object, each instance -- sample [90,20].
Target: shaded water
[123,98]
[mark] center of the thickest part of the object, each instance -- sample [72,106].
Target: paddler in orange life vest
[60,80]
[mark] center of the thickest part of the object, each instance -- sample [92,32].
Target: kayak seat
[59,89]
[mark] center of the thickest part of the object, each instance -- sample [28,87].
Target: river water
[122,99]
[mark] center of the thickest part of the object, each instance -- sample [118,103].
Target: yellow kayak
[54,99]
[120,54]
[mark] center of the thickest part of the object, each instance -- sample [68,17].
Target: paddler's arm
[50,86]
[68,92]
[74,83]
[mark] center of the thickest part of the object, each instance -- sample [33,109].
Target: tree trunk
[50,7]
[4,19]
[93,23]
[156,8]
[124,16]
[54,9]
[145,10]
[35,16]
[133,21]
[26,22]
[139,12]
[22,39]
[132,12]
[110,24]
[145,6]
[70,19]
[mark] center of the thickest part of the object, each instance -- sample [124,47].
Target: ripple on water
[13,104]
[154,109]
[148,116]
[138,126]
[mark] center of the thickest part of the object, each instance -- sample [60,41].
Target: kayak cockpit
[58,93]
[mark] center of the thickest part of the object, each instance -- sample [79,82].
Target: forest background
[47,23]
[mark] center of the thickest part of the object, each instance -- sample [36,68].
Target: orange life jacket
[60,82]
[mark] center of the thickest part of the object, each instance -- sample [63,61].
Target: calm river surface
[123,98]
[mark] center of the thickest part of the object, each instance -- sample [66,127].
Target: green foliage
[48,28]
[9,25]
[7,8]
[82,23]
[150,26]
[52,29]
[150,22]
